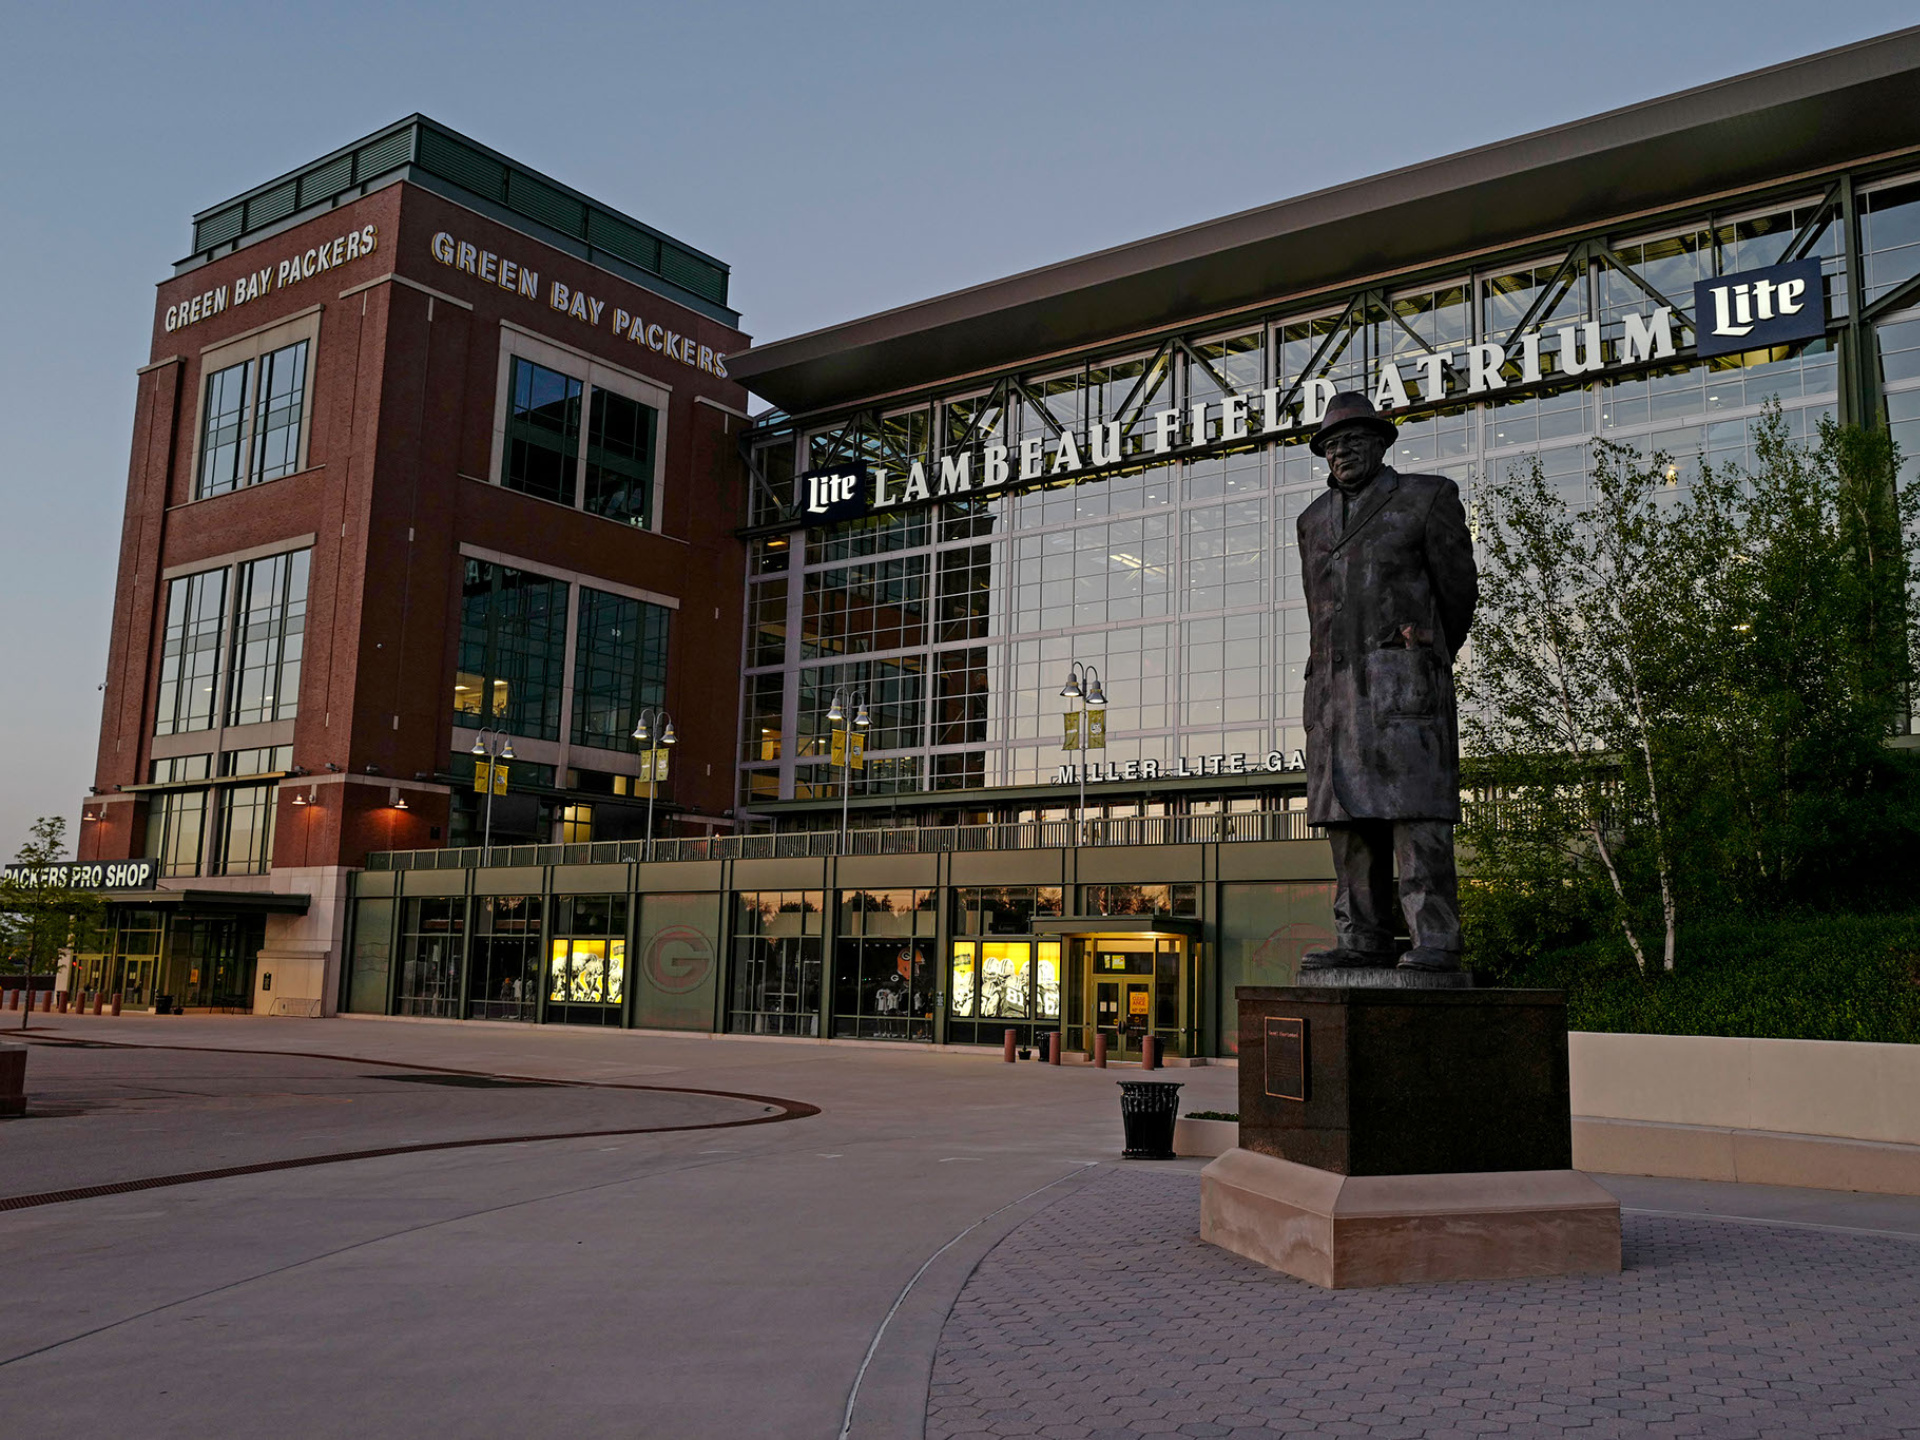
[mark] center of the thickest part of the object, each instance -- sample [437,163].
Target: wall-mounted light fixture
[395,799]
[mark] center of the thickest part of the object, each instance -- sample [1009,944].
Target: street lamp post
[643,732]
[493,746]
[1083,684]
[836,713]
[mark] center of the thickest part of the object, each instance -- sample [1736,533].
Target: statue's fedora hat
[1348,409]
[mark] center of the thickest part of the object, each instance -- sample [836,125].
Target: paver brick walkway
[1107,1317]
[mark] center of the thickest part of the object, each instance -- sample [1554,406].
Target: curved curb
[888,1396]
[787,1110]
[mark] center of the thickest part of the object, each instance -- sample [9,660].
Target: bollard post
[99,999]
[60,1002]
[1013,1038]
[46,1005]
[1100,1051]
[13,999]
[1150,1052]
[116,1003]
[1053,1048]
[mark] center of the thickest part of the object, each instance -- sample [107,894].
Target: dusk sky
[841,158]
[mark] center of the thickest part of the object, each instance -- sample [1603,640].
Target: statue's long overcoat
[1389,597]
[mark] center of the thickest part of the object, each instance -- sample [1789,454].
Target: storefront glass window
[963,990]
[883,971]
[369,967]
[433,952]
[776,963]
[587,960]
[506,957]
[1140,899]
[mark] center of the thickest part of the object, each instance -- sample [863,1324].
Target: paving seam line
[1764,1220]
[788,1110]
[879,1335]
[798,1105]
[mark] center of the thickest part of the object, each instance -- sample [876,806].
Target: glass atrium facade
[1176,575]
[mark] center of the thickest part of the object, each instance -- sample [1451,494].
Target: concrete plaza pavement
[943,1219]
[690,1283]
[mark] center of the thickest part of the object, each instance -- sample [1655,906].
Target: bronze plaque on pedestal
[1286,1058]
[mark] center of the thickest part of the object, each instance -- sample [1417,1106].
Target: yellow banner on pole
[838,753]
[1071,739]
[485,773]
[1096,730]
[653,767]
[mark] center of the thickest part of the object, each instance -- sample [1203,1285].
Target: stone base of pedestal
[1348,1231]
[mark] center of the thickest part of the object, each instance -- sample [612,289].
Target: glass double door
[1136,987]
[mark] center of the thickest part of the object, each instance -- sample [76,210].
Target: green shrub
[1809,977]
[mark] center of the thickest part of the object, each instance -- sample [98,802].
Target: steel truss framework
[980,410]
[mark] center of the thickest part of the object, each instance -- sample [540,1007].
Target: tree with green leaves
[1679,697]
[38,921]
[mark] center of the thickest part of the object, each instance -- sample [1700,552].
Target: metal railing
[917,840]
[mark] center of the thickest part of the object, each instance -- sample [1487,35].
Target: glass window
[505,957]
[877,605]
[543,433]
[1003,981]
[223,424]
[620,459]
[176,829]
[369,968]
[252,419]
[513,636]
[767,624]
[1003,909]
[587,973]
[190,653]
[246,830]
[270,616]
[777,963]
[283,394]
[962,997]
[1141,899]
[619,667]
[432,951]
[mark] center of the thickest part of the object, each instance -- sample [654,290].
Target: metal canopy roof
[1811,114]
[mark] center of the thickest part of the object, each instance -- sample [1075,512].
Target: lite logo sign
[839,494]
[1758,309]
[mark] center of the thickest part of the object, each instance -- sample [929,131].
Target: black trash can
[163,1004]
[1148,1109]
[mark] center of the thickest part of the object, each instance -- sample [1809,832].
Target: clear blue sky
[842,158]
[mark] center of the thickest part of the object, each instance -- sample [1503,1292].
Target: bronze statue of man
[1391,587]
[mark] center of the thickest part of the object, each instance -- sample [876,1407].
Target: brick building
[430,449]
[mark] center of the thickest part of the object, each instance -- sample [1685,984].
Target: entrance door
[136,989]
[1140,986]
[1123,1012]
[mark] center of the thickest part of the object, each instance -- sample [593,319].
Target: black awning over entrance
[216,902]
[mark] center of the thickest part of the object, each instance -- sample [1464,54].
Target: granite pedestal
[1394,1134]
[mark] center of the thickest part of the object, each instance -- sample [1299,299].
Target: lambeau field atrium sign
[1754,310]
